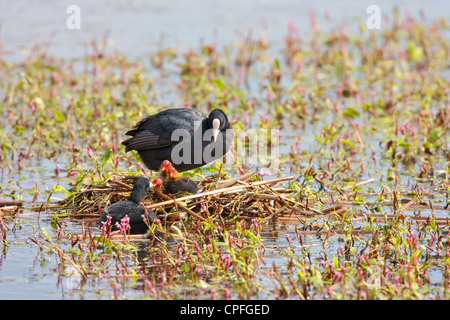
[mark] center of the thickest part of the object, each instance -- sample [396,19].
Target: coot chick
[132,208]
[188,138]
[174,183]
[164,170]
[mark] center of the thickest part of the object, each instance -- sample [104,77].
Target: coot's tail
[126,144]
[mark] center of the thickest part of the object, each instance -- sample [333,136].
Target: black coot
[132,208]
[186,137]
[173,183]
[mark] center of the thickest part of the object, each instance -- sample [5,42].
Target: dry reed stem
[358,184]
[181,206]
[8,203]
[9,210]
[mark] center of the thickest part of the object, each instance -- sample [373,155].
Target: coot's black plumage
[132,208]
[182,185]
[155,138]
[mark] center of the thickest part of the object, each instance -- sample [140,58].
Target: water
[136,28]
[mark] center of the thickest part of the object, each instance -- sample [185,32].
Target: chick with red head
[164,169]
[173,182]
[173,174]
[157,183]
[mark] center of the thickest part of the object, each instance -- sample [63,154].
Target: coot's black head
[218,121]
[140,189]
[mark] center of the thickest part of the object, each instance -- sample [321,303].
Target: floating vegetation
[358,207]
[220,232]
[233,197]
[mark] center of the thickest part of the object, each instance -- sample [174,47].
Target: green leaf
[318,138]
[277,64]
[220,84]
[59,117]
[135,276]
[351,112]
[57,187]
[106,156]
[80,178]
[46,235]
[390,175]
[54,222]
[186,267]
[347,144]
[39,103]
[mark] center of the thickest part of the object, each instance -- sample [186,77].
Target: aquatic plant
[362,121]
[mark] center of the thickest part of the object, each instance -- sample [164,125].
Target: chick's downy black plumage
[179,184]
[182,185]
[132,208]
[187,138]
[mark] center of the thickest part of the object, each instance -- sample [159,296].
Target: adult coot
[132,208]
[188,138]
[172,181]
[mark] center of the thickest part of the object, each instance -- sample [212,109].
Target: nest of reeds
[224,199]
[244,197]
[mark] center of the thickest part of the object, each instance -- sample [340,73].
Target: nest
[244,197]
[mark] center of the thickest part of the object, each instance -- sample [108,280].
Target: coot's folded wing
[144,140]
[156,131]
